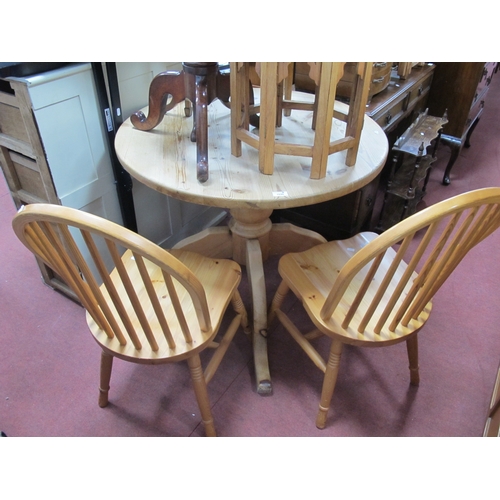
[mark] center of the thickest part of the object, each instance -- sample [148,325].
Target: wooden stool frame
[273,104]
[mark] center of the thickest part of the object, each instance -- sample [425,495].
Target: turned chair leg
[331,373]
[106,367]
[201,393]
[277,301]
[239,308]
[412,348]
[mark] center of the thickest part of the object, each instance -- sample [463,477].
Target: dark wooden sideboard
[399,104]
[461,89]
[394,109]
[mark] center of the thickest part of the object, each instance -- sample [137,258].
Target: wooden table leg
[251,238]
[257,283]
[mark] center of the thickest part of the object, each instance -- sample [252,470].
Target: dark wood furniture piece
[461,89]
[396,108]
[393,109]
[410,169]
[492,426]
[199,84]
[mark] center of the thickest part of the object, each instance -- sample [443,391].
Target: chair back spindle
[391,281]
[112,299]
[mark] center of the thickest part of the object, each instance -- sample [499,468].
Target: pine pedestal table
[165,160]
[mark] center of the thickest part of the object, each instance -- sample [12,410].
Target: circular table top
[165,160]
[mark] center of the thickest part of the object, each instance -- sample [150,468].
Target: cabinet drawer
[388,116]
[11,121]
[25,173]
[404,103]
[419,90]
[381,76]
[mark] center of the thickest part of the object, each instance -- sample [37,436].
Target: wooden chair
[155,306]
[372,290]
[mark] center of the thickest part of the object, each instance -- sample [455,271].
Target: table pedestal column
[249,240]
[251,229]
[249,225]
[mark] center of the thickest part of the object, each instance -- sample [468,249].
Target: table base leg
[219,242]
[256,280]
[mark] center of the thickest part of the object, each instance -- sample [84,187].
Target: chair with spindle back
[376,290]
[155,306]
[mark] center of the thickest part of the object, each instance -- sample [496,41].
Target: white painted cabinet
[54,148]
[65,106]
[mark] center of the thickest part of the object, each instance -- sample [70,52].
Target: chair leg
[331,373]
[106,367]
[239,308]
[201,393]
[277,301]
[412,348]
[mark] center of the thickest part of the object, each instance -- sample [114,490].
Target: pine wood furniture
[326,76]
[153,307]
[460,89]
[394,110]
[376,291]
[166,161]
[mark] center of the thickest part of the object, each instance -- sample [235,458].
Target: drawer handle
[380,65]
[420,90]
[388,118]
[378,80]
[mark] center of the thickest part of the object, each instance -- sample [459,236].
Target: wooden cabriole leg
[201,393]
[106,367]
[412,348]
[331,373]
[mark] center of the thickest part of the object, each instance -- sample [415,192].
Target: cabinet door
[161,218]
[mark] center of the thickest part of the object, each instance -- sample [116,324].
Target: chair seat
[219,278]
[311,275]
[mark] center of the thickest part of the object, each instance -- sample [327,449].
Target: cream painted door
[66,109]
